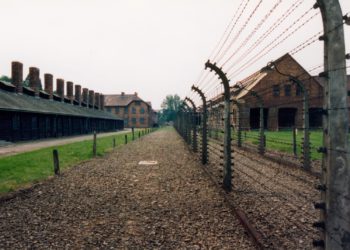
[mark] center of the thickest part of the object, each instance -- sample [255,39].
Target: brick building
[282,99]
[136,112]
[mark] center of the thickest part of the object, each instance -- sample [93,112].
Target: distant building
[136,112]
[282,100]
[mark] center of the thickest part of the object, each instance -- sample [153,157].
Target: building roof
[122,100]
[11,101]
[251,81]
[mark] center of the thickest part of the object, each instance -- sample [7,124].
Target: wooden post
[139,134]
[126,139]
[133,133]
[94,145]
[56,162]
[113,142]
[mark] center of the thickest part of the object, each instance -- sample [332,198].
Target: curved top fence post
[204,126]
[192,103]
[227,181]
[336,169]
[194,124]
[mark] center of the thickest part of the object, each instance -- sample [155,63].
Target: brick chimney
[102,102]
[85,96]
[135,93]
[17,76]
[78,94]
[70,91]
[97,100]
[48,81]
[60,88]
[91,98]
[34,80]
[123,93]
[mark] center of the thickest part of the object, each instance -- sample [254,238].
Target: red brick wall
[134,119]
[265,89]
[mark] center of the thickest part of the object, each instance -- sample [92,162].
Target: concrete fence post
[294,141]
[239,125]
[306,127]
[187,123]
[194,125]
[204,126]
[227,181]
[335,186]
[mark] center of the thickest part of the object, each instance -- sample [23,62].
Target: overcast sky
[153,47]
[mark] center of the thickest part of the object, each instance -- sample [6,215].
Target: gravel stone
[115,203]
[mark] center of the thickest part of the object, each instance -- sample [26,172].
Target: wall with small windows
[137,114]
[282,98]
[133,110]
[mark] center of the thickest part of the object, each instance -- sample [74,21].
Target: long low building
[28,112]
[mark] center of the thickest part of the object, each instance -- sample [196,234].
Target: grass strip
[282,141]
[22,170]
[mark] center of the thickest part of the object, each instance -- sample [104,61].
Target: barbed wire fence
[247,127]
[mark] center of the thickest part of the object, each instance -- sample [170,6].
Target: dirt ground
[21,147]
[114,203]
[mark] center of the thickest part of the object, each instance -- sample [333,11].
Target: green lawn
[23,169]
[282,141]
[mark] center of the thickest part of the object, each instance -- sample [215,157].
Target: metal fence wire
[277,140]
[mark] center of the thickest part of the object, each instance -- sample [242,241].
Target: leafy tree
[5,78]
[170,106]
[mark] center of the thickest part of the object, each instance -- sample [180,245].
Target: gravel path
[114,203]
[278,200]
[21,147]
